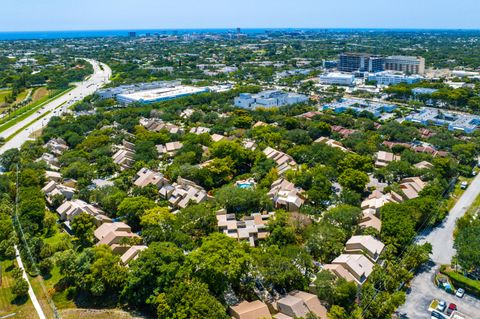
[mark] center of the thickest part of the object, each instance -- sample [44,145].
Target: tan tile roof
[250,310]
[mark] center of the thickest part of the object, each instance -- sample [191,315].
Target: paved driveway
[423,291]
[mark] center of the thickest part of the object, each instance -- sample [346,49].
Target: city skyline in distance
[56,15]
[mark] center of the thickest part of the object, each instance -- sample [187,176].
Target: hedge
[471,286]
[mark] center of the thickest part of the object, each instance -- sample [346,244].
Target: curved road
[100,77]
[423,290]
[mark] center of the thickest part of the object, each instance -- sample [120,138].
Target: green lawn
[8,304]
[4,93]
[21,96]
[23,113]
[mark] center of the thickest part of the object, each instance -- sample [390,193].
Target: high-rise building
[406,64]
[363,62]
[132,34]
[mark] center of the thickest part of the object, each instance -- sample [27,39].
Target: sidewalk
[33,298]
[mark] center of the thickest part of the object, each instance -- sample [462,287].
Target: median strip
[31,122]
[31,111]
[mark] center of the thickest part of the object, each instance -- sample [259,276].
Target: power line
[423,227]
[27,247]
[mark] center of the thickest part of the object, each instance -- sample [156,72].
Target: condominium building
[406,64]
[284,161]
[363,62]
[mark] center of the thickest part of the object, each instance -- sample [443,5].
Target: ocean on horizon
[50,35]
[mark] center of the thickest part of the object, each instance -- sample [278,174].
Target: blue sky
[41,15]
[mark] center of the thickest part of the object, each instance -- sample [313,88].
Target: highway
[100,77]
[423,290]
[58,106]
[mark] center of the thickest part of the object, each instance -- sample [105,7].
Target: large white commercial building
[111,93]
[336,78]
[455,121]
[268,99]
[160,94]
[392,78]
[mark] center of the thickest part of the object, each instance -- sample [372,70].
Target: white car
[442,304]
[460,292]
[464,185]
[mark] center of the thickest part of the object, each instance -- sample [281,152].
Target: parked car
[460,292]
[437,315]
[451,308]
[442,304]
[464,185]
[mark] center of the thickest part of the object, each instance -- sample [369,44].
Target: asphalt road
[99,78]
[423,291]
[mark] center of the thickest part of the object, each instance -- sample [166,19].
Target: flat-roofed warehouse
[159,94]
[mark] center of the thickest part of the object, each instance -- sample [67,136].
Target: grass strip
[32,109]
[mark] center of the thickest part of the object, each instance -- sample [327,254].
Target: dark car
[451,308]
[436,314]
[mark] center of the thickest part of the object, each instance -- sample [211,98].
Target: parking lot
[424,291]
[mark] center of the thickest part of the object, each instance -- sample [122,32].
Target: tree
[281,232]
[465,153]
[398,225]
[83,226]
[108,197]
[335,290]
[355,161]
[467,244]
[78,169]
[337,312]
[220,262]
[242,201]
[10,158]
[95,271]
[152,272]
[189,299]
[45,266]
[345,216]
[20,287]
[325,241]
[278,270]
[325,286]
[353,179]
[146,151]
[131,209]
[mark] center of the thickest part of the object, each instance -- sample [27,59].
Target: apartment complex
[360,62]
[284,161]
[364,62]
[406,64]
[357,262]
[285,195]
[250,228]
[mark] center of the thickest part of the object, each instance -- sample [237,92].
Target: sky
[49,15]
